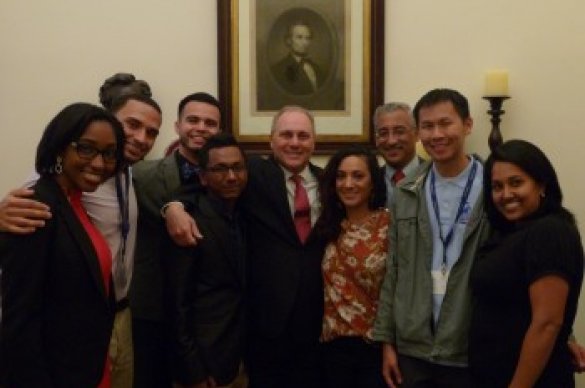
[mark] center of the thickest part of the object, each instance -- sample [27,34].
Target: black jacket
[56,317]
[285,283]
[206,299]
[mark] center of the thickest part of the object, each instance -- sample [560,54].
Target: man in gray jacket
[439,223]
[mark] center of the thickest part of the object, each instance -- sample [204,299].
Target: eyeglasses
[88,152]
[385,133]
[223,169]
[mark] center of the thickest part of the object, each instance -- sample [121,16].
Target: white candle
[496,83]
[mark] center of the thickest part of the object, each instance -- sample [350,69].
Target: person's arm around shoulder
[21,214]
[180,225]
[548,297]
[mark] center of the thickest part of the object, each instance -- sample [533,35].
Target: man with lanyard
[438,225]
[396,136]
[113,210]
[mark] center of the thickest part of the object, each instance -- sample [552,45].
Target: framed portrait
[327,56]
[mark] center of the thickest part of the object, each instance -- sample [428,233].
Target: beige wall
[56,52]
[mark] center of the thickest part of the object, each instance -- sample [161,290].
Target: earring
[59,165]
[542,194]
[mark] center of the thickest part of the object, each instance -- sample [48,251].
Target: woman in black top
[57,299]
[527,278]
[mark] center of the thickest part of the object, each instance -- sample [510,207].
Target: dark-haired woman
[356,228]
[527,278]
[57,297]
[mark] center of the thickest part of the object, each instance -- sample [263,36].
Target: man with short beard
[156,182]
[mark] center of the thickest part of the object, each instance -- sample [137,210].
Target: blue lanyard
[124,204]
[447,239]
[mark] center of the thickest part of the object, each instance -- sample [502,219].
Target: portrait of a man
[297,72]
[300,55]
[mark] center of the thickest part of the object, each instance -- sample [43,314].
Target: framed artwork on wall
[327,56]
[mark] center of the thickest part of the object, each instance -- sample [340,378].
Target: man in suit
[206,282]
[296,72]
[156,182]
[285,292]
[285,284]
[396,136]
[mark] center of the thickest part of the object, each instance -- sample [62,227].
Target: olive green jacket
[405,310]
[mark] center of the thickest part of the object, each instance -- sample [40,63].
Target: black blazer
[285,285]
[206,301]
[56,316]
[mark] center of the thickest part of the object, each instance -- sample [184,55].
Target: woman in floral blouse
[356,228]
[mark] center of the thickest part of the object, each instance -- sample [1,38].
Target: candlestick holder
[496,102]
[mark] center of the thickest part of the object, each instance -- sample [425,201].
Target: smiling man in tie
[396,136]
[285,289]
[285,284]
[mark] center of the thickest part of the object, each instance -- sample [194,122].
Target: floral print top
[353,270]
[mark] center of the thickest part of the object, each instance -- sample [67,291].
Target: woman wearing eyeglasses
[57,297]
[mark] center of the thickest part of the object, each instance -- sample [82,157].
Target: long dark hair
[530,159]
[328,225]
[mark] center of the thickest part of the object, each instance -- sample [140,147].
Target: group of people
[212,268]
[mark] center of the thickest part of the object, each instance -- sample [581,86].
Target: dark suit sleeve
[187,360]
[24,271]
[188,194]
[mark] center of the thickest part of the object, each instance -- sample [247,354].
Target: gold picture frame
[347,83]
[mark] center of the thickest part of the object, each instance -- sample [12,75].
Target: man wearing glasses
[285,289]
[396,137]
[206,283]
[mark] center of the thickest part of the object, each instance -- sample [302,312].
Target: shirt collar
[305,174]
[410,167]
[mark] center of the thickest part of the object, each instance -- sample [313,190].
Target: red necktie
[397,177]
[302,215]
